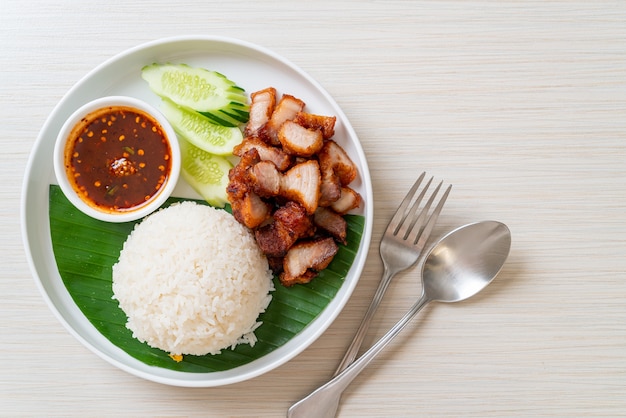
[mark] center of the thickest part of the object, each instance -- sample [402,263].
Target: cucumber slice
[206,173]
[200,130]
[232,116]
[198,89]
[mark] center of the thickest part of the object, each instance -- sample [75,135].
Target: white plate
[253,68]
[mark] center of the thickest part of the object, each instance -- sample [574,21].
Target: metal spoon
[460,265]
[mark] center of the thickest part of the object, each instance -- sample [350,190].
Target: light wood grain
[520,104]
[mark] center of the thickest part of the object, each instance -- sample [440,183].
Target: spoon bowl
[465,261]
[457,267]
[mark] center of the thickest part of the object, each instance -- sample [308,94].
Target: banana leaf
[85,250]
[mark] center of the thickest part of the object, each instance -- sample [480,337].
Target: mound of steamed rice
[192,280]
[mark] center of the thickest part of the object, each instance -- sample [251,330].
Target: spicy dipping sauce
[117,158]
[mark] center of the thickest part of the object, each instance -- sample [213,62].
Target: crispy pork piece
[302,184]
[238,176]
[247,207]
[264,179]
[330,187]
[276,264]
[286,109]
[337,170]
[331,222]
[273,240]
[291,222]
[298,140]
[248,159]
[251,210]
[262,105]
[266,152]
[333,157]
[349,200]
[289,281]
[326,124]
[294,217]
[305,259]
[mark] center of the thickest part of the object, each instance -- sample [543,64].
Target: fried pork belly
[331,222]
[302,184]
[276,264]
[291,186]
[238,176]
[305,259]
[266,152]
[298,140]
[294,217]
[291,222]
[286,109]
[247,207]
[330,188]
[333,157]
[251,210]
[325,124]
[264,179]
[262,105]
[337,170]
[349,200]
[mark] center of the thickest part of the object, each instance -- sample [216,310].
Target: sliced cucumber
[206,173]
[200,130]
[233,115]
[199,89]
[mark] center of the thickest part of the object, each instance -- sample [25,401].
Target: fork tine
[415,227]
[401,212]
[433,219]
[406,229]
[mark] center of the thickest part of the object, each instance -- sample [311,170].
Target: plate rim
[187,379]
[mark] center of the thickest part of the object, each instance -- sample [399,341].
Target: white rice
[192,280]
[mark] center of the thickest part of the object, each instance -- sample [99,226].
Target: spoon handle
[322,403]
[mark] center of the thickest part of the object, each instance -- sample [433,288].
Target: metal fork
[400,248]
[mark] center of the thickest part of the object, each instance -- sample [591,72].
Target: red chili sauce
[117,158]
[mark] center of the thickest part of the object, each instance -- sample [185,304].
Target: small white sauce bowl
[127,214]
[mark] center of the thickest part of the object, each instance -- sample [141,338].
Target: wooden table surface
[520,104]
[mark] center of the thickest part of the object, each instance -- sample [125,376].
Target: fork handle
[353,349]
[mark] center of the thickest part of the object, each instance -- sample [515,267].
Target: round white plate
[253,68]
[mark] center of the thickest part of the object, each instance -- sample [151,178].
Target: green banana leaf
[85,250]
